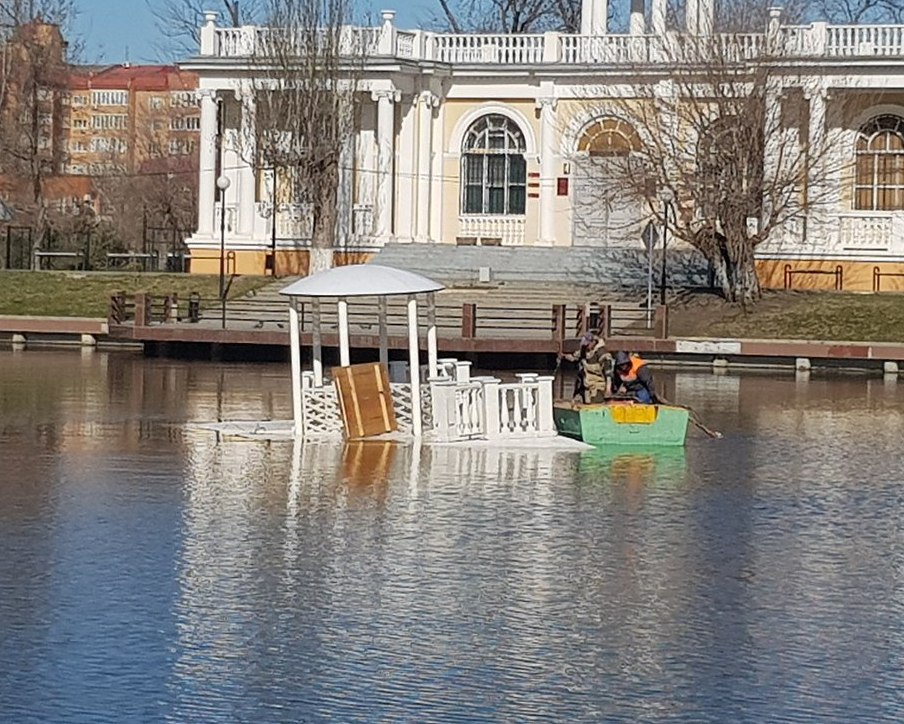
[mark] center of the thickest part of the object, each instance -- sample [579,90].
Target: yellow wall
[857,276]
[288,263]
[454,111]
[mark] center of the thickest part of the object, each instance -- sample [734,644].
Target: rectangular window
[109,122]
[155,103]
[80,123]
[110,98]
[183,99]
[80,100]
[473,176]
[517,184]
[191,123]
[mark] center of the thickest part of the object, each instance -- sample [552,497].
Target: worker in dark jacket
[594,367]
[632,376]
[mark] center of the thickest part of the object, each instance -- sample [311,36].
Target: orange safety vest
[631,374]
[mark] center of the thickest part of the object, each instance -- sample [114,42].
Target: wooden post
[143,309]
[116,313]
[468,321]
[605,324]
[661,322]
[558,325]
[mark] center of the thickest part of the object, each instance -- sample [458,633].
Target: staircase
[613,269]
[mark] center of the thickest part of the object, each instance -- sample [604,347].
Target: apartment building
[122,117]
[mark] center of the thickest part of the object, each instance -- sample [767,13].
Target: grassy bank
[793,315]
[87,294]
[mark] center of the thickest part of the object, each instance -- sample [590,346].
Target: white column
[365,195]
[658,17]
[691,17]
[706,16]
[317,343]
[426,103]
[637,23]
[385,153]
[407,170]
[344,353]
[600,17]
[548,158]
[594,17]
[816,143]
[345,192]
[247,209]
[436,181]
[414,364]
[295,358]
[207,169]
[432,346]
[586,17]
[774,151]
[382,313]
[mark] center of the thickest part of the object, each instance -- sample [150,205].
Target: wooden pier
[469,321]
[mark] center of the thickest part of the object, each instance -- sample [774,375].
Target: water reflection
[151,573]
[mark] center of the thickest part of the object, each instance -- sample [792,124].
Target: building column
[385,100]
[816,151]
[658,17]
[207,168]
[594,17]
[427,101]
[637,22]
[407,171]
[548,157]
[692,17]
[346,191]
[246,146]
[774,151]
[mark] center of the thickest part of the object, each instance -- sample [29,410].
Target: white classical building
[490,140]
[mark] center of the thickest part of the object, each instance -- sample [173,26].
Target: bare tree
[33,79]
[303,106]
[727,134]
[858,11]
[510,16]
[179,21]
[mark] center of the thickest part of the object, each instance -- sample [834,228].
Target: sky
[114,31]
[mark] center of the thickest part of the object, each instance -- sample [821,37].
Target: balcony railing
[791,41]
[493,230]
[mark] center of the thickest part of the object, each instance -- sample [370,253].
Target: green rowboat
[622,424]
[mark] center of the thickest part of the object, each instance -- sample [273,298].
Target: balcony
[387,43]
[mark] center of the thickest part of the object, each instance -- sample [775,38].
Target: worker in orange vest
[632,376]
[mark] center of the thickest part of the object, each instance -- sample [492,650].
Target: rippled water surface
[152,573]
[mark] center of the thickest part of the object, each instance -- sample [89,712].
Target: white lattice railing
[322,416]
[504,230]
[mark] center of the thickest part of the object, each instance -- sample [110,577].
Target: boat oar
[695,419]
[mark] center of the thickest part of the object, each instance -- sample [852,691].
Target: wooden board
[365,400]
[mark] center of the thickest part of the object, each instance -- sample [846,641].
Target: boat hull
[623,424]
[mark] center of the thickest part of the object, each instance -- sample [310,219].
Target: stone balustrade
[792,41]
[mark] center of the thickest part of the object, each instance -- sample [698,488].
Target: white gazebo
[361,280]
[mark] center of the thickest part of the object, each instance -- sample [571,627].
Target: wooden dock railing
[549,326]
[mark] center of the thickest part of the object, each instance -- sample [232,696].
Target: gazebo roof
[361,280]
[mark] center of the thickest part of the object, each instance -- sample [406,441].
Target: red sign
[562,186]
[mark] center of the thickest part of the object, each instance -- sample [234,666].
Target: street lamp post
[667,196]
[222,185]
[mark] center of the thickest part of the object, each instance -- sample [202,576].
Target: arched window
[609,137]
[879,177]
[493,167]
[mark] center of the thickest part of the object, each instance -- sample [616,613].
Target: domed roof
[361,280]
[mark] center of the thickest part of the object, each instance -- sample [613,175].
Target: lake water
[153,573]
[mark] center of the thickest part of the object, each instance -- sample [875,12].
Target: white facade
[412,175]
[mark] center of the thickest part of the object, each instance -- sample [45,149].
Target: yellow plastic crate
[633,414]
